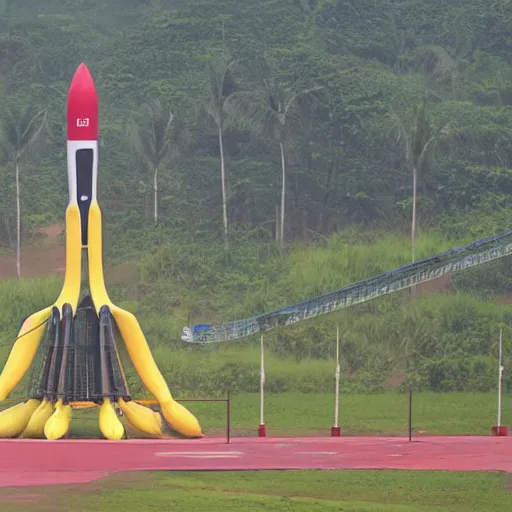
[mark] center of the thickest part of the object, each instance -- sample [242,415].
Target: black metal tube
[47,350]
[105,381]
[119,385]
[54,366]
[92,350]
[66,324]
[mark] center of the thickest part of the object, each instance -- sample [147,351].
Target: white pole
[262,380]
[500,375]
[337,377]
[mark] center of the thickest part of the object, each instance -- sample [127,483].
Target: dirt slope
[46,258]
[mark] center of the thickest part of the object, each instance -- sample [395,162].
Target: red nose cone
[82,114]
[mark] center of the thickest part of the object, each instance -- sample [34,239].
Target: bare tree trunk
[223,184]
[277,225]
[413,225]
[155,195]
[283,194]
[18,223]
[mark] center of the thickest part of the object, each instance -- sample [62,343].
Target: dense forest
[255,153]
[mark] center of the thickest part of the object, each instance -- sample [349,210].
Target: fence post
[410,415]
[228,418]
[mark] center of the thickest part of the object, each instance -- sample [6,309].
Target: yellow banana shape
[142,418]
[179,418]
[57,425]
[110,425]
[23,351]
[35,426]
[14,420]
[70,292]
[32,331]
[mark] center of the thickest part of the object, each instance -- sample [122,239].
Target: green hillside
[352,98]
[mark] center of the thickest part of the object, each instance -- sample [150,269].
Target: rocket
[82,148]
[82,144]
[48,411]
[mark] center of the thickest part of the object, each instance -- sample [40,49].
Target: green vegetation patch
[354,491]
[296,414]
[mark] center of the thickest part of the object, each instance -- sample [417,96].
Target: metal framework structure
[78,358]
[434,267]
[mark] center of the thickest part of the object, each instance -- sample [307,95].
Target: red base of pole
[335,431]
[500,431]
[262,430]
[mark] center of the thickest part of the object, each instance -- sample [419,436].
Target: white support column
[262,429]
[500,376]
[336,430]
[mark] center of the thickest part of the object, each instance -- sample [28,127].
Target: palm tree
[156,135]
[417,140]
[222,85]
[278,111]
[21,127]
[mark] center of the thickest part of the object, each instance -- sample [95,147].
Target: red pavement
[26,462]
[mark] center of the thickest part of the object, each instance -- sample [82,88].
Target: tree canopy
[371,59]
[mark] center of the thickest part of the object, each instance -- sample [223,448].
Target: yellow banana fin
[70,292]
[14,420]
[110,425]
[99,293]
[179,418]
[142,418]
[32,331]
[57,425]
[35,426]
[23,351]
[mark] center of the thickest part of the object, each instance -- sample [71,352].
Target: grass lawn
[376,414]
[300,491]
[292,414]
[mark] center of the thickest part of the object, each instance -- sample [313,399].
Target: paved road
[28,462]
